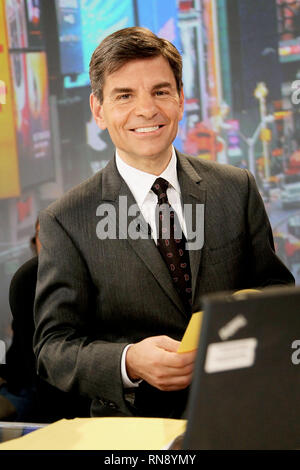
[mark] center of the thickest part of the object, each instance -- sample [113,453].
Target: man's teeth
[147,129]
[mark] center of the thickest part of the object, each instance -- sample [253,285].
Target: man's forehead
[125,70]
[135,72]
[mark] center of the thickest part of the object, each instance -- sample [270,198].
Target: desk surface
[96,434]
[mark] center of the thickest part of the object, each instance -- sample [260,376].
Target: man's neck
[154,164]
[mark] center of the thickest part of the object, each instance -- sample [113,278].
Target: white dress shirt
[140,184]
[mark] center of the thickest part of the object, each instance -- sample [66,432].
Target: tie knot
[160,187]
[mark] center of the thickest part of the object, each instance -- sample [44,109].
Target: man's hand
[156,361]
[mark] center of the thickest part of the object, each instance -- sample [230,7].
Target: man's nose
[146,106]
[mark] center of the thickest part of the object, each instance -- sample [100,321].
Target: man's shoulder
[79,197]
[211,169]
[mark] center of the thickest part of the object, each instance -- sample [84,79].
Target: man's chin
[147,154]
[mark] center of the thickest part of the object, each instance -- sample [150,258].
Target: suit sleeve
[266,268]
[68,355]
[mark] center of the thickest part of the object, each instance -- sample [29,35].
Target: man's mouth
[147,129]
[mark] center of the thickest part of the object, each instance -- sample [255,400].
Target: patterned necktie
[171,243]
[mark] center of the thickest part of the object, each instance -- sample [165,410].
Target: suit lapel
[192,196]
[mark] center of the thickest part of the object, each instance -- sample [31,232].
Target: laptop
[246,388]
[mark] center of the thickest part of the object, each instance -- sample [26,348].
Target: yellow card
[190,338]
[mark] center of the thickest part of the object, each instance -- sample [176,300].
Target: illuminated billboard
[9,170]
[16,24]
[288,16]
[30,82]
[33,21]
[98,20]
[69,36]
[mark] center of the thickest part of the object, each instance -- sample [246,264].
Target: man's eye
[124,96]
[162,92]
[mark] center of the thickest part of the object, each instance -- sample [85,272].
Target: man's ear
[181,103]
[97,111]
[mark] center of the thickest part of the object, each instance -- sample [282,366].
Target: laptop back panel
[246,388]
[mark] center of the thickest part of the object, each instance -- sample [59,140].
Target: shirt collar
[140,182]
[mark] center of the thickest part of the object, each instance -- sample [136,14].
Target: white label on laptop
[232,327]
[229,355]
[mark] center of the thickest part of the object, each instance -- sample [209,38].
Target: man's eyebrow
[162,85]
[115,91]
[158,86]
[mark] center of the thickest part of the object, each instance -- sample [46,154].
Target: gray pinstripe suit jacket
[95,296]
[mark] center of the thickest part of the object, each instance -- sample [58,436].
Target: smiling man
[111,310]
[141,108]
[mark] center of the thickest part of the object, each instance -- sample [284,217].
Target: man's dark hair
[129,44]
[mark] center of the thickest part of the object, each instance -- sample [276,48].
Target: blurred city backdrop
[241,66]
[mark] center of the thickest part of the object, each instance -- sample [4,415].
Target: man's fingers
[171,378]
[174,383]
[167,343]
[178,360]
[156,360]
[177,371]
